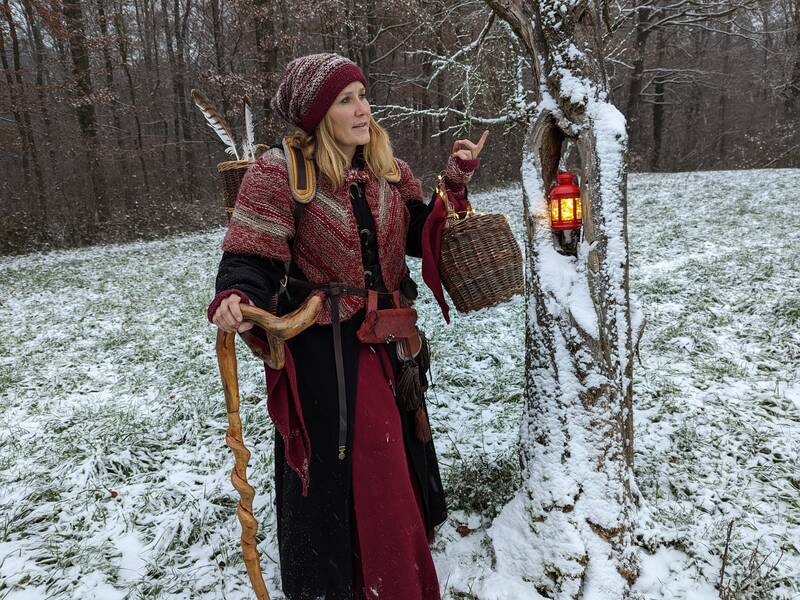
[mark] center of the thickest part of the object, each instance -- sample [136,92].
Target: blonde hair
[321,147]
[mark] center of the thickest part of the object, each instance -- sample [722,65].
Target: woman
[357,483]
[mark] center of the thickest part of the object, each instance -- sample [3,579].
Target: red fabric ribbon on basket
[432,244]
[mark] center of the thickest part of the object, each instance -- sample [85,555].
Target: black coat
[316,533]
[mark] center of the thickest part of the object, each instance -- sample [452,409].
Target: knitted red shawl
[327,246]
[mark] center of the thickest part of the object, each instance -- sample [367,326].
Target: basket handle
[452,215]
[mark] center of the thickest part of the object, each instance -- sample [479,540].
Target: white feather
[216,121]
[230,145]
[249,134]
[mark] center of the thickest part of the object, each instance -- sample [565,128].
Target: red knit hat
[309,86]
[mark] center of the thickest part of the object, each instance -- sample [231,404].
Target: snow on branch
[692,14]
[398,114]
[467,96]
[442,15]
[676,77]
[442,63]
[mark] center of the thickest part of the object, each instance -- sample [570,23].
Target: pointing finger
[468,145]
[482,141]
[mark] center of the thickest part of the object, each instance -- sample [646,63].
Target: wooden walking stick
[278,329]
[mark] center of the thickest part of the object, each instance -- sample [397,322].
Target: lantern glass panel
[578,209]
[554,211]
[567,209]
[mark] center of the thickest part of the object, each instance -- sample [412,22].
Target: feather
[216,121]
[249,135]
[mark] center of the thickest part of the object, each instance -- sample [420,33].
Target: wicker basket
[481,263]
[232,172]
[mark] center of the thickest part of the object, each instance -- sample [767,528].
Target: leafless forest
[100,140]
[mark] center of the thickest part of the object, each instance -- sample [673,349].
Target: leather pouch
[387,324]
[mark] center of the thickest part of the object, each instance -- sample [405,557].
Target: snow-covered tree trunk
[568,533]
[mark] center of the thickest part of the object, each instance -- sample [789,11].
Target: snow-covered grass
[114,474]
[716,269]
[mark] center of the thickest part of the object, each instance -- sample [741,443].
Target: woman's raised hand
[466,150]
[228,316]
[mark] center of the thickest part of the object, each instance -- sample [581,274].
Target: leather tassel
[424,362]
[422,426]
[423,382]
[409,391]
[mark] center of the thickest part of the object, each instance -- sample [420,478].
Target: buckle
[284,289]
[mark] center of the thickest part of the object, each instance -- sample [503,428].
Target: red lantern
[565,203]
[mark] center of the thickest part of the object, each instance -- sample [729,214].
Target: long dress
[362,529]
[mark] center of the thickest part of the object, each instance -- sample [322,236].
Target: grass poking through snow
[114,474]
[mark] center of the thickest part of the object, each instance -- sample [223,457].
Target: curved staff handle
[279,329]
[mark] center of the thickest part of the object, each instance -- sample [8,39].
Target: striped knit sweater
[327,246]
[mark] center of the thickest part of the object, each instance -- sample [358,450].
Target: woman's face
[349,117]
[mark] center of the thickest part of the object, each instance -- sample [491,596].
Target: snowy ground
[114,472]
[716,269]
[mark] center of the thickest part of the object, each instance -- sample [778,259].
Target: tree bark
[13,97]
[108,65]
[38,58]
[120,137]
[368,50]
[84,111]
[267,47]
[21,113]
[792,103]
[723,97]
[635,87]
[658,104]
[122,48]
[180,160]
[577,437]
[145,32]
[181,24]
[219,54]
[693,109]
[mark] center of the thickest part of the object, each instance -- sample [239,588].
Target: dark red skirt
[383,497]
[395,559]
